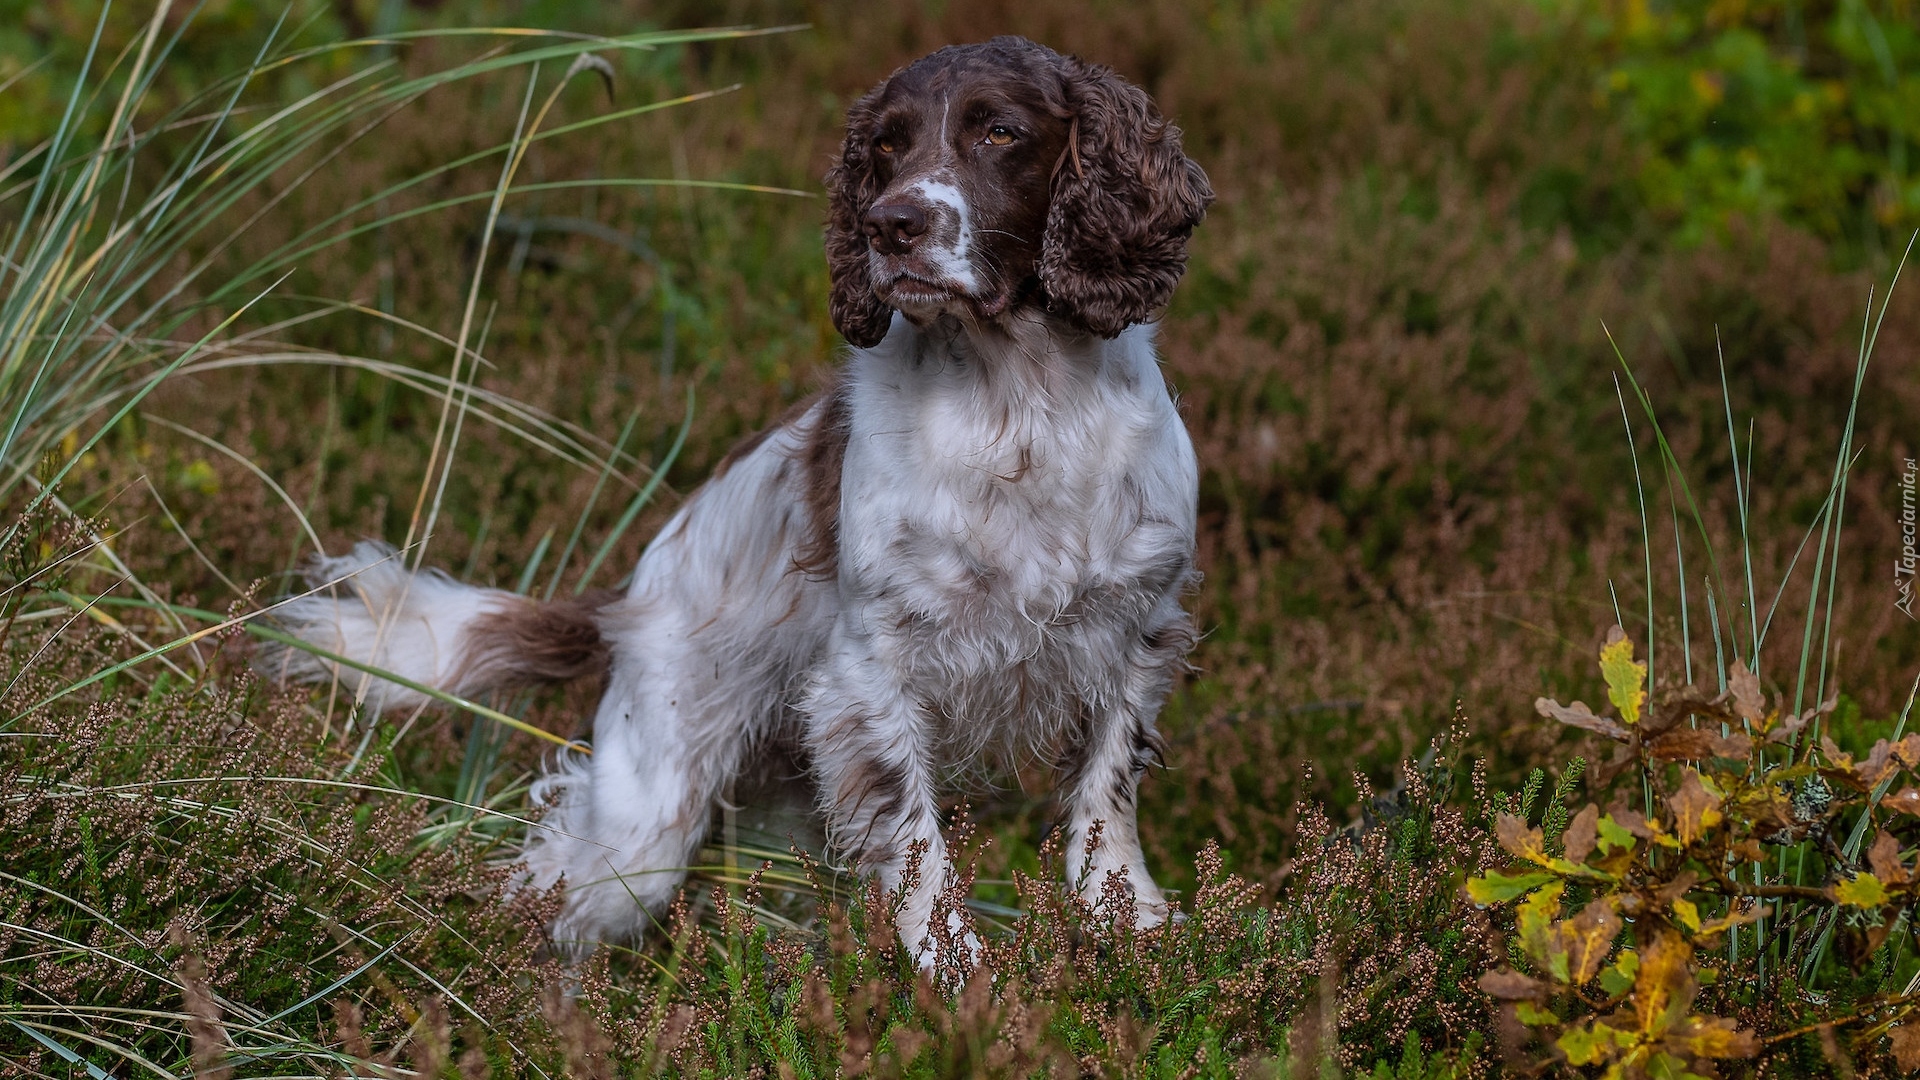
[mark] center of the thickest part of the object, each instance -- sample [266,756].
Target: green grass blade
[640,499]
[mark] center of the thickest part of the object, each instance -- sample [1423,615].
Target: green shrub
[1809,111]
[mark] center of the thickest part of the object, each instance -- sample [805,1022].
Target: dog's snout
[893,227]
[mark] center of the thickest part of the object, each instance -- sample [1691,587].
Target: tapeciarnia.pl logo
[1903,567]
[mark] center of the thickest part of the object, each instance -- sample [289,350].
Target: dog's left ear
[1125,200]
[851,188]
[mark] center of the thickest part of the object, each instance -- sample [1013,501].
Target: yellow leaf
[1689,915]
[1715,1037]
[1861,891]
[1626,677]
[1535,922]
[1587,938]
[1663,988]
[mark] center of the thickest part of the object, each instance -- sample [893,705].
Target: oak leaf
[1884,857]
[1614,836]
[1521,840]
[1586,1046]
[1664,987]
[1860,890]
[1686,913]
[1581,834]
[1906,1046]
[1698,744]
[1587,939]
[1506,984]
[1618,977]
[1578,715]
[1498,888]
[1713,1037]
[1695,808]
[1626,677]
[1743,690]
[1534,920]
[1905,801]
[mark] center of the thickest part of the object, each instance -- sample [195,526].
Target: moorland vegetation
[1536,351]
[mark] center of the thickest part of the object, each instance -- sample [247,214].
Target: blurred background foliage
[1805,109]
[1808,110]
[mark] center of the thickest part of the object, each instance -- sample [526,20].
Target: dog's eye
[999,135]
[884,144]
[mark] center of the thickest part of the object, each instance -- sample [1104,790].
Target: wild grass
[409,294]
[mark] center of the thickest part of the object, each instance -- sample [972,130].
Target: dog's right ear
[851,188]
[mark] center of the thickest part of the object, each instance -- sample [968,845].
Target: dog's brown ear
[851,189]
[1125,200]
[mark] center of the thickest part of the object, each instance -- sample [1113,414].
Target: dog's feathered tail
[430,629]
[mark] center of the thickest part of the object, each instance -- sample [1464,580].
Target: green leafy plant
[1806,110]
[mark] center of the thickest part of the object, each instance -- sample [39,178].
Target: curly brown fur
[1093,222]
[1123,207]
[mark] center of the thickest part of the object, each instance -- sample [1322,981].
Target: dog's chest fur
[1007,520]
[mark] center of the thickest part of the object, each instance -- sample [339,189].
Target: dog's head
[982,177]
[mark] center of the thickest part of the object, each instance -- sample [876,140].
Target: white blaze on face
[951,254]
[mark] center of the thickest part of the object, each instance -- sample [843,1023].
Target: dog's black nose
[893,227]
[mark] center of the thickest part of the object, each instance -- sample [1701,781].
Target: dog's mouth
[915,293]
[907,289]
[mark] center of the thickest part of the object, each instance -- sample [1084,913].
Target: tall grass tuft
[218,883]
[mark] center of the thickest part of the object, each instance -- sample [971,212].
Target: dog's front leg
[1104,770]
[871,748]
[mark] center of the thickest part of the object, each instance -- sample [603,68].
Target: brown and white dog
[975,545]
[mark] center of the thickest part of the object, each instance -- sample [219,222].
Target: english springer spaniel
[972,548]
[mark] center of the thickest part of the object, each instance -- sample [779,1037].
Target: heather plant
[1364,966]
[1388,348]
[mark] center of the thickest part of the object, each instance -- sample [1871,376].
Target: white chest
[999,520]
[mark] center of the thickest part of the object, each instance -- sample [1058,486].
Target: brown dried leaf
[1698,744]
[1749,849]
[1578,715]
[1743,689]
[1905,801]
[1792,725]
[1631,820]
[1835,756]
[1907,751]
[1884,857]
[1506,984]
[1695,809]
[1879,765]
[1681,884]
[1675,703]
[1520,840]
[1582,833]
[1906,1046]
